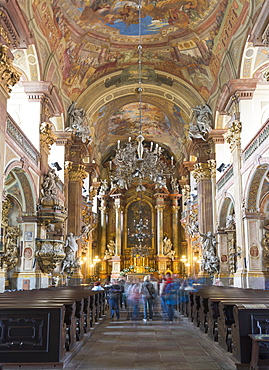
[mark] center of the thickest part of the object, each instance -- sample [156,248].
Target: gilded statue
[265,245]
[110,251]
[167,248]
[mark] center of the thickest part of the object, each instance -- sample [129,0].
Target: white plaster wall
[25,113]
[57,155]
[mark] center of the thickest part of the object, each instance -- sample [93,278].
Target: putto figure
[203,122]
[76,122]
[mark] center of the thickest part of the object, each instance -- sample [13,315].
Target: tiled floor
[157,345]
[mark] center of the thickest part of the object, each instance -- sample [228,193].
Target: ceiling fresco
[127,119]
[95,38]
[162,125]
[155,15]
[95,43]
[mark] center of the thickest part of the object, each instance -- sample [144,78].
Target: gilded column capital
[232,137]
[175,208]
[160,207]
[75,172]
[204,171]
[47,138]
[185,190]
[103,209]
[118,207]
[9,76]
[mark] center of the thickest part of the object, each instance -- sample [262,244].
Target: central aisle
[156,345]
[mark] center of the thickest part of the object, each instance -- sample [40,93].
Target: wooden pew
[77,314]
[28,332]
[249,319]
[220,313]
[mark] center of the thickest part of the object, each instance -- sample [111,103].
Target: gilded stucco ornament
[167,249]
[204,171]
[10,257]
[265,245]
[76,172]
[232,136]
[9,76]
[110,251]
[47,138]
[50,254]
[185,190]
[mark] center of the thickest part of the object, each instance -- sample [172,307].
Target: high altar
[159,248]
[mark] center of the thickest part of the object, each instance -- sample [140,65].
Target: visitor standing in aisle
[113,295]
[148,293]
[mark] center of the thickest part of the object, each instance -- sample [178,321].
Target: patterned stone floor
[157,345]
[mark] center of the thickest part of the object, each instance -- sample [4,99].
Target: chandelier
[136,161]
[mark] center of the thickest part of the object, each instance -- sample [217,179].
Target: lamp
[57,166]
[137,161]
[222,167]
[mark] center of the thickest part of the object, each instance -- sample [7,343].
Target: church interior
[134,141]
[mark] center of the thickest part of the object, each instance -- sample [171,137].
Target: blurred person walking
[134,298]
[113,295]
[148,293]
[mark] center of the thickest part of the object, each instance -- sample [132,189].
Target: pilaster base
[240,280]
[205,278]
[257,279]
[2,281]
[76,279]
[29,280]
[162,263]
[115,273]
[226,279]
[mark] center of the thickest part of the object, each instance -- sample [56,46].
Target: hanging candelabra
[136,161]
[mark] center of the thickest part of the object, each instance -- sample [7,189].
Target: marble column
[175,221]
[116,260]
[76,174]
[203,174]
[160,198]
[103,232]
[233,138]
[118,221]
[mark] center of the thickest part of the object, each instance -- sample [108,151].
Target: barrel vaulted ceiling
[89,48]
